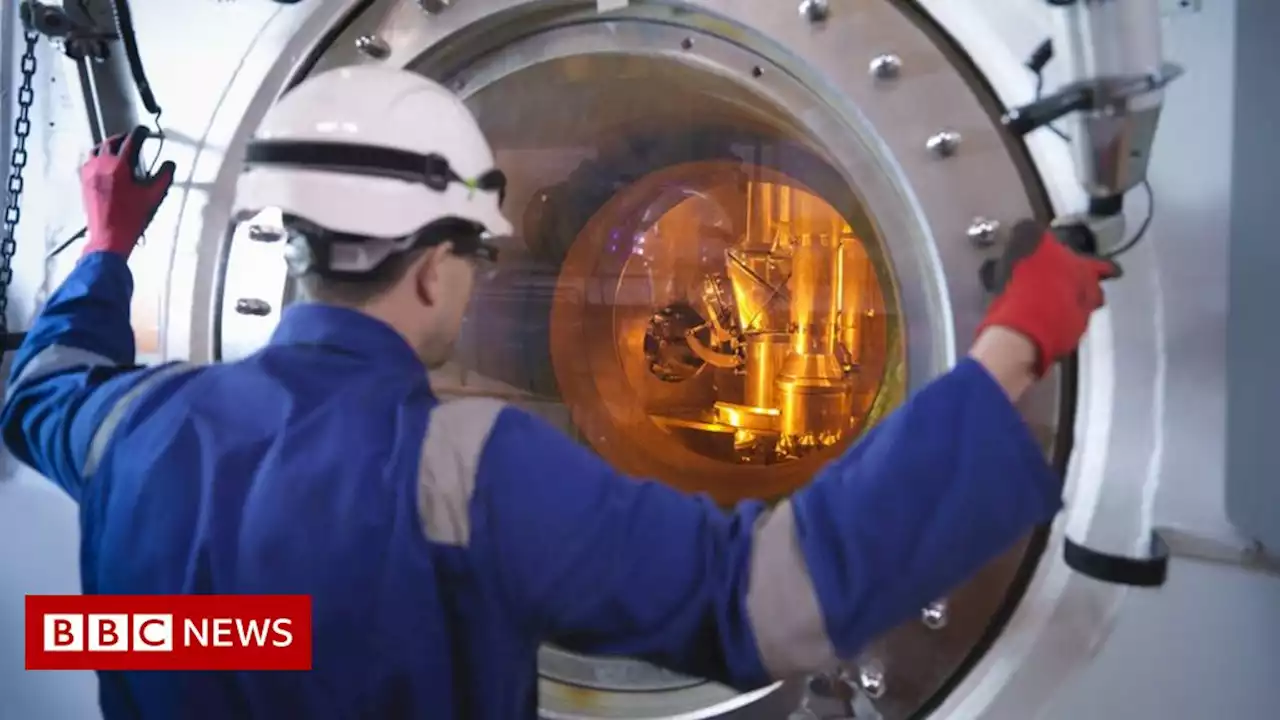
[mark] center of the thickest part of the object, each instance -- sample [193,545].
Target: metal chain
[18,162]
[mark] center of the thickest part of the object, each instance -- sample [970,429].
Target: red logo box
[168,632]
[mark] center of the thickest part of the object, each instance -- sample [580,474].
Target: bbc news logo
[143,632]
[168,632]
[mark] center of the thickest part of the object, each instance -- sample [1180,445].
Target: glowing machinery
[786,317]
[716,316]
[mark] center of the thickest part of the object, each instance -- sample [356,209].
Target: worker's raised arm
[75,373]
[601,563]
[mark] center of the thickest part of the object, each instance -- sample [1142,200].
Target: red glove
[119,198]
[1049,292]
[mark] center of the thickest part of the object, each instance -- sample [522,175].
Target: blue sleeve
[604,564]
[940,488]
[75,365]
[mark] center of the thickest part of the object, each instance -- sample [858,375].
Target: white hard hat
[373,153]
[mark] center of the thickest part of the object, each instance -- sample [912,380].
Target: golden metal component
[760,419]
[757,266]
[811,387]
[764,284]
[764,356]
[857,279]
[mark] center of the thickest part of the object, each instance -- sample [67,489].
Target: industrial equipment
[1114,95]
[745,230]
[721,272]
[736,326]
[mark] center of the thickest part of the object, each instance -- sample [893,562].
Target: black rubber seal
[1118,569]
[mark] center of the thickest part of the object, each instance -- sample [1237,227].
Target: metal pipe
[107,85]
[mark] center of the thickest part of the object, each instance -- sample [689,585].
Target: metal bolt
[934,615]
[373,46]
[433,7]
[982,232]
[259,233]
[944,144]
[815,11]
[252,306]
[886,66]
[871,681]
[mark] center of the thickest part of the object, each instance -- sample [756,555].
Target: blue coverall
[443,542]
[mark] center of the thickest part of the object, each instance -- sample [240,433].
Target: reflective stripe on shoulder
[456,435]
[56,358]
[111,422]
[782,604]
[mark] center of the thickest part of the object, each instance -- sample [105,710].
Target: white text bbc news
[155,633]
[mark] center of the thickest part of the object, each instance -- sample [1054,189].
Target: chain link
[18,162]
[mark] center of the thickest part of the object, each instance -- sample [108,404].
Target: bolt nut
[934,615]
[886,66]
[253,306]
[258,233]
[815,11]
[944,144]
[983,232]
[373,46]
[871,681]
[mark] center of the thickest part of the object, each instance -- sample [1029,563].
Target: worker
[443,542]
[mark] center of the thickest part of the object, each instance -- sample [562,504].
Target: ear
[426,274]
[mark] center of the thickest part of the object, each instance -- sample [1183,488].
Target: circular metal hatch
[663,125]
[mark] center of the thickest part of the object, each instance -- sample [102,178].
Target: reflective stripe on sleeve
[782,605]
[111,422]
[456,435]
[57,358]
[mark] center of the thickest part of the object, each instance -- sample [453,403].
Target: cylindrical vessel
[765,353]
[813,389]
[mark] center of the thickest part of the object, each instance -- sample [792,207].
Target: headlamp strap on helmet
[431,170]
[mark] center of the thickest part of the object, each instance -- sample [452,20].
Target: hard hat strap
[431,170]
[315,249]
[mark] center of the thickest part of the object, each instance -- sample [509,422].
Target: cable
[1040,57]
[1050,126]
[123,18]
[1142,229]
[67,243]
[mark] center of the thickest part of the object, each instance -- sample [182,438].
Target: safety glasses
[312,248]
[480,251]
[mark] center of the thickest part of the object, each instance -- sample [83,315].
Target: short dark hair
[362,290]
